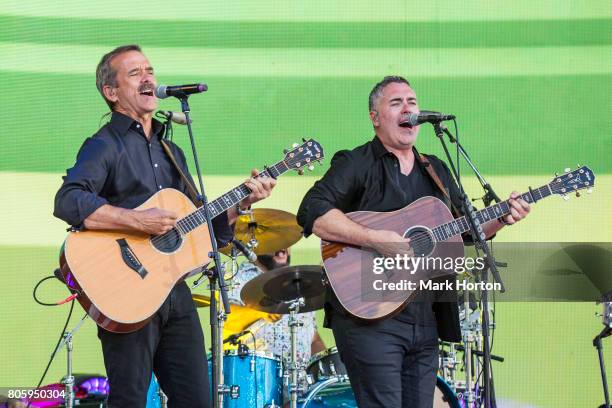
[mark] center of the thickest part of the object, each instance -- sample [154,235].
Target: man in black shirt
[393,362]
[117,169]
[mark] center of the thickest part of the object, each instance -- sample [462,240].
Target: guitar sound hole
[421,240]
[168,242]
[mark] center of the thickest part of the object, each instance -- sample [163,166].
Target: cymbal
[273,229]
[272,291]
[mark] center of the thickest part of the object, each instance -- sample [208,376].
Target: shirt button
[160,187]
[137,126]
[155,165]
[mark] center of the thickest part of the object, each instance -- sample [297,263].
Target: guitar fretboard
[226,201]
[460,225]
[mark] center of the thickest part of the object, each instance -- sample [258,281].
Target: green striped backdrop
[529,81]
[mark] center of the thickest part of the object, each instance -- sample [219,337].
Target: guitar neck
[227,200]
[461,225]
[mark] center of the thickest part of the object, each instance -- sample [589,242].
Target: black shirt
[121,167]
[367,178]
[417,184]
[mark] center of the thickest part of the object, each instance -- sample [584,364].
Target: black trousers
[171,345]
[390,363]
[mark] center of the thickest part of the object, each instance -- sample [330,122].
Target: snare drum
[326,364]
[254,380]
[336,392]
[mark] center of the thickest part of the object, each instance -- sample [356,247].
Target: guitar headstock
[573,181]
[304,156]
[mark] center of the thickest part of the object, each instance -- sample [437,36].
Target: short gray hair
[106,75]
[377,91]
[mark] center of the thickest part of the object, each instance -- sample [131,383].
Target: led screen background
[529,82]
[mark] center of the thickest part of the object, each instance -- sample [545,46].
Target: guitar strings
[169,236]
[420,238]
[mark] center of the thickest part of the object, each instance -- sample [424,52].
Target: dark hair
[106,75]
[376,92]
[270,263]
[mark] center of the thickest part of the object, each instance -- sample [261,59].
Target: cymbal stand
[294,323]
[607,331]
[448,362]
[469,333]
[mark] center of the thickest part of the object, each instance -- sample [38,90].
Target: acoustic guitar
[123,277]
[434,233]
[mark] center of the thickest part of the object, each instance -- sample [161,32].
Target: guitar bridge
[130,258]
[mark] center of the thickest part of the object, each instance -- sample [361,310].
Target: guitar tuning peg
[285,151]
[577,193]
[556,174]
[565,197]
[301,172]
[311,167]
[579,166]
[589,190]
[567,170]
[295,145]
[304,140]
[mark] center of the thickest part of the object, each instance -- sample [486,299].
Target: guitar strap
[193,193]
[434,176]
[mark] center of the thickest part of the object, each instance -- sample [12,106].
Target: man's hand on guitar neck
[519,209]
[261,188]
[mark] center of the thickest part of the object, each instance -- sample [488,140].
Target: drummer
[274,336]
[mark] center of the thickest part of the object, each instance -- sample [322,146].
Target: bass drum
[336,392]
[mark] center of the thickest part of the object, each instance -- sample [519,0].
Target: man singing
[393,362]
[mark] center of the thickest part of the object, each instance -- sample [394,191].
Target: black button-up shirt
[367,178]
[121,167]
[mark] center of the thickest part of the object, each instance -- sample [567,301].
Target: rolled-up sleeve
[336,189]
[78,197]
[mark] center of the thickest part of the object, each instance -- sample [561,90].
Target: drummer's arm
[317,344]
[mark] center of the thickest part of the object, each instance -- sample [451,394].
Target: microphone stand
[479,238]
[215,276]
[490,194]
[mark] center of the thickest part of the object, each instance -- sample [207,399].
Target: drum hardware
[288,290]
[68,380]
[294,323]
[606,331]
[470,334]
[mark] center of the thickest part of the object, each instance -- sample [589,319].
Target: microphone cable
[55,349]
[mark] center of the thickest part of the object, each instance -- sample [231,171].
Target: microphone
[250,255]
[415,119]
[253,328]
[179,91]
[232,339]
[177,117]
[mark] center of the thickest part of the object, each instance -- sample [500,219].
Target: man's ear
[110,93]
[374,118]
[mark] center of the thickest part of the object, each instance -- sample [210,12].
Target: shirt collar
[380,150]
[122,123]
